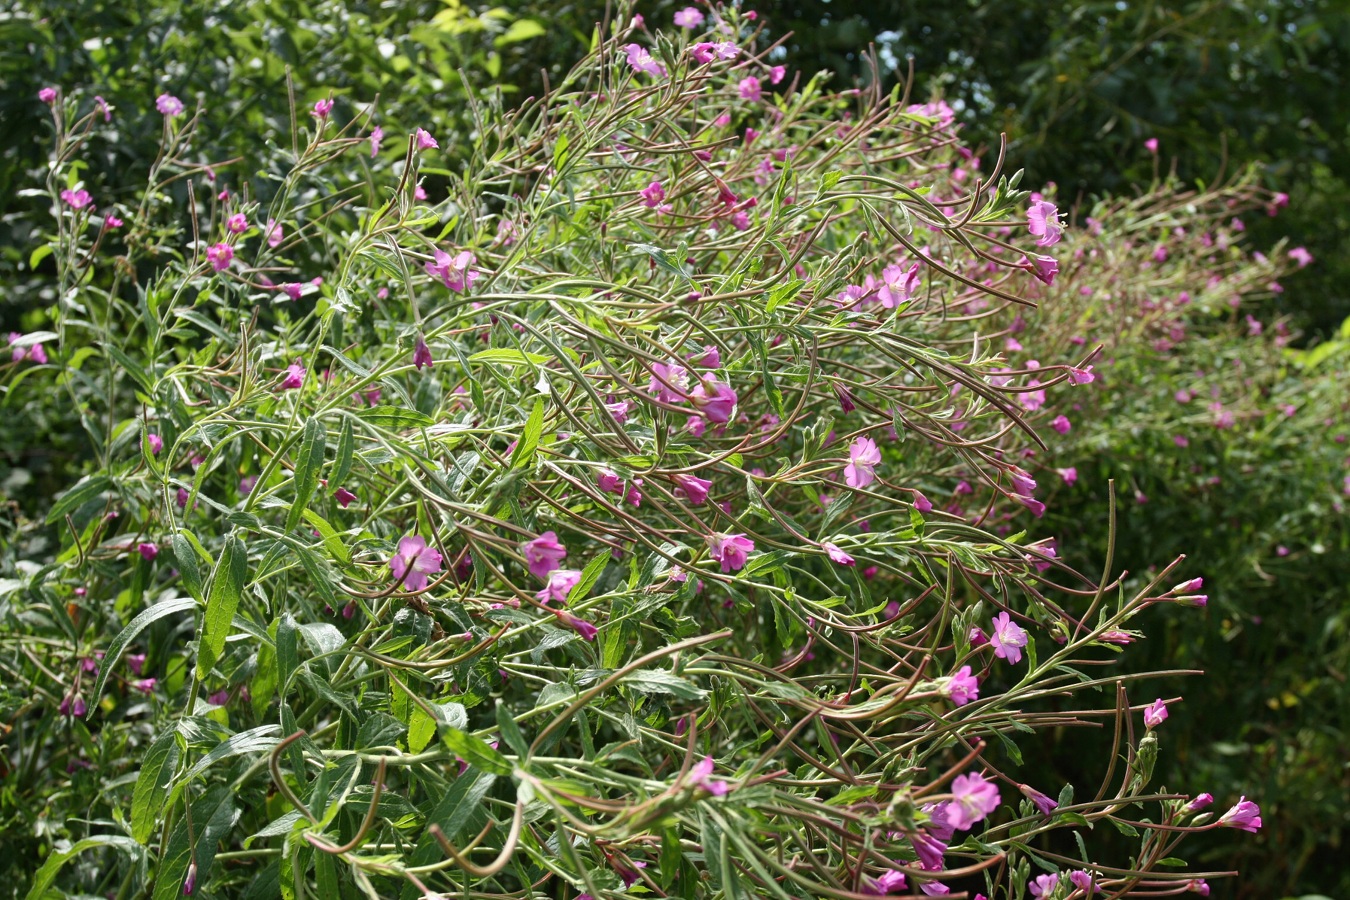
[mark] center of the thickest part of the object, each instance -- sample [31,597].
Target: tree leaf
[227,585]
[307,468]
[127,635]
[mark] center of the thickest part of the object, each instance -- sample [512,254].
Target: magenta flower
[1188,586]
[1154,714]
[1043,803]
[1152,145]
[110,222]
[295,377]
[580,626]
[715,400]
[274,234]
[749,89]
[1085,882]
[837,555]
[344,497]
[652,194]
[897,285]
[709,358]
[935,889]
[169,105]
[929,849]
[1246,815]
[148,551]
[156,443]
[47,95]
[1045,268]
[425,141]
[1043,223]
[668,382]
[560,584]
[322,108]
[960,688]
[543,554]
[1043,886]
[634,493]
[642,61]
[1061,424]
[730,550]
[688,18]
[422,354]
[237,223]
[863,458]
[1070,475]
[76,199]
[413,562]
[1081,376]
[974,797]
[1008,638]
[1301,256]
[1200,802]
[695,488]
[454,271]
[705,51]
[701,776]
[889,882]
[145,685]
[921,503]
[135,662]
[1198,886]
[219,256]
[376,138]
[609,482]
[777,74]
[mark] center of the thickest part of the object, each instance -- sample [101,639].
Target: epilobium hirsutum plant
[559,526]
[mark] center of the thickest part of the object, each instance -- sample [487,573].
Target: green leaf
[520,30]
[52,865]
[152,785]
[1174,862]
[40,252]
[394,418]
[255,740]
[659,681]
[307,468]
[188,569]
[529,438]
[346,446]
[227,585]
[510,731]
[589,576]
[127,635]
[213,816]
[78,496]
[475,751]
[332,541]
[505,356]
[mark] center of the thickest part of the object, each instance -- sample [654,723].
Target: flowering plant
[566,522]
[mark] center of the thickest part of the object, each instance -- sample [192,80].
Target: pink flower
[1301,256]
[633,496]
[668,382]
[76,199]
[889,882]
[425,141]
[156,443]
[1085,882]
[135,662]
[749,89]
[1200,802]
[376,138]
[1061,424]
[730,550]
[1045,268]
[1152,145]
[652,195]
[1081,376]
[422,354]
[1008,638]
[922,503]
[169,105]
[863,458]
[695,488]
[148,551]
[47,95]
[702,52]
[897,285]
[1043,803]
[1198,886]
[609,482]
[701,776]
[295,377]
[688,18]
[961,687]
[642,61]
[974,797]
[715,400]
[145,685]
[935,889]
[110,222]
[322,108]
[1043,886]
[544,554]
[710,358]
[1043,223]
[182,498]
[414,561]
[1154,714]
[777,74]
[1245,815]
[454,271]
[837,555]
[219,256]
[237,223]
[344,497]
[1070,475]
[560,584]
[274,233]
[580,626]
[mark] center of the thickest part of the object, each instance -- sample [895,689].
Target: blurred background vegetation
[1078,86]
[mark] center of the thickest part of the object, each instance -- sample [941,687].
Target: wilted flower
[344,497]
[422,354]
